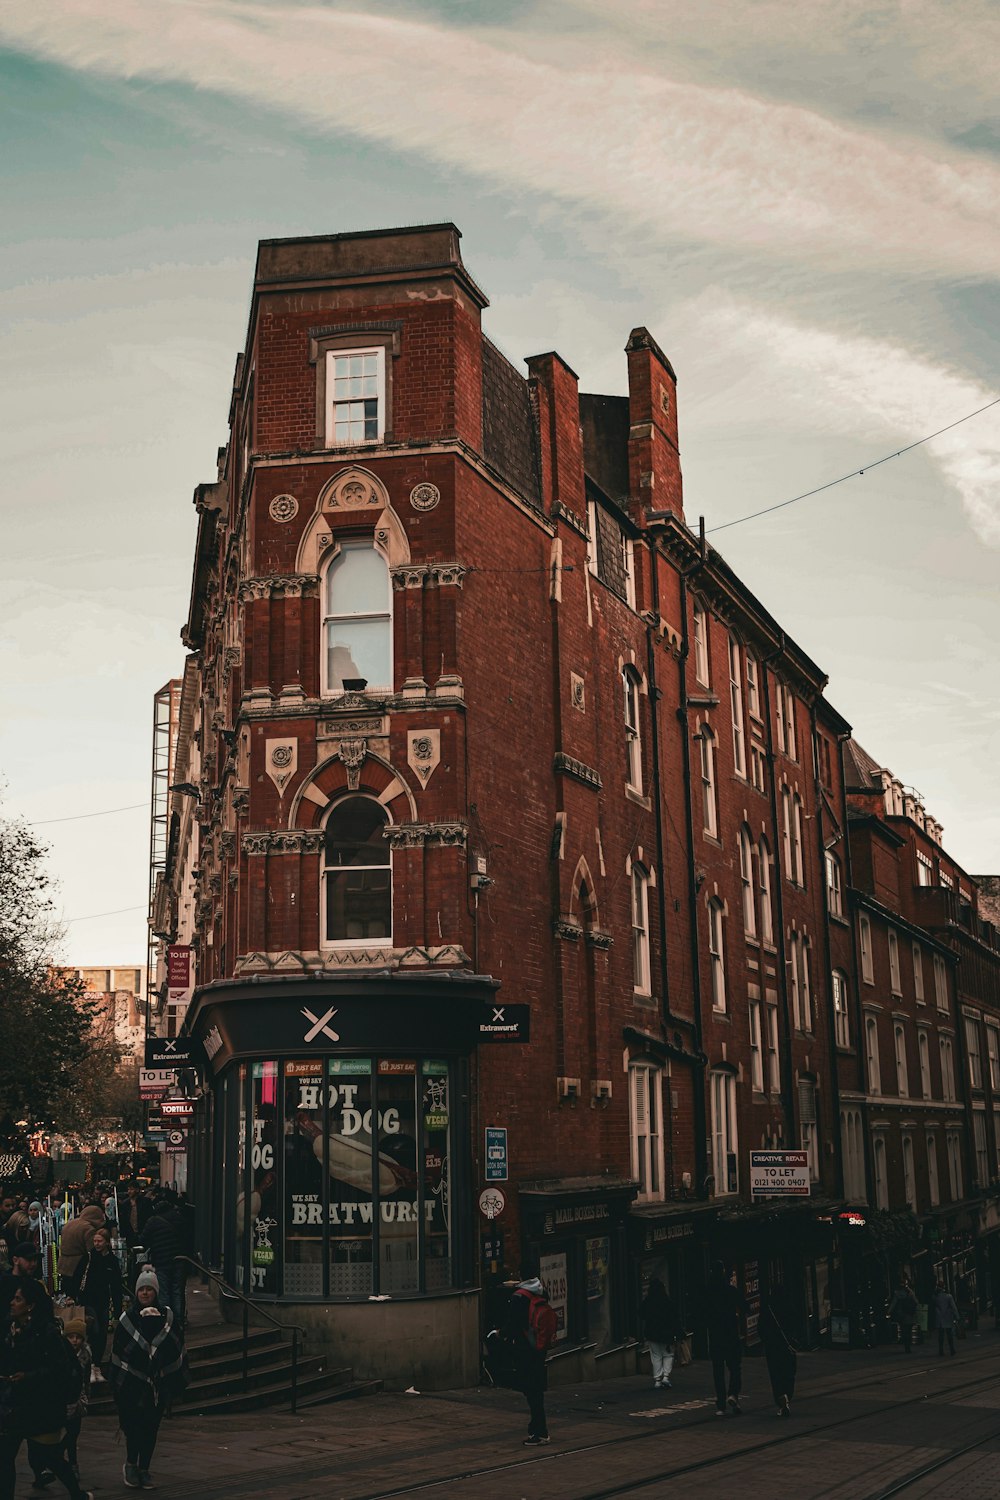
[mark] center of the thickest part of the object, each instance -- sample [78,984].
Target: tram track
[303,1479]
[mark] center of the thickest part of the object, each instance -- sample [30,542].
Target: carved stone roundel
[281,756]
[424,496]
[283,508]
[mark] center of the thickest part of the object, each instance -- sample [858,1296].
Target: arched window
[736,706]
[725,1136]
[924,1054]
[747,883]
[902,1079]
[764,876]
[357,618]
[357,874]
[640,930]
[633,739]
[717,952]
[841,1023]
[881,1174]
[709,807]
[871,1055]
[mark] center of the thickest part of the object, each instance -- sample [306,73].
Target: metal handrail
[230,1291]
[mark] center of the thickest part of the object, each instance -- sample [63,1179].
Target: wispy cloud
[843,383]
[689,162]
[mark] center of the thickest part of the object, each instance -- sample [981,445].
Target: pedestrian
[779,1355]
[77,1238]
[661,1328]
[165,1239]
[148,1368]
[39,1379]
[96,1286]
[946,1316]
[75,1332]
[529,1332]
[903,1311]
[724,1317]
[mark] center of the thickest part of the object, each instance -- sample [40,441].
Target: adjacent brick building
[480,736]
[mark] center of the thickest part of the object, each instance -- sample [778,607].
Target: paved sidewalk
[377,1443]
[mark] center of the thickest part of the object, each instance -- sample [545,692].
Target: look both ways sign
[779,1174]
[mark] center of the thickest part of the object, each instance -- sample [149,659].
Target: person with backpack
[529,1331]
[661,1327]
[40,1378]
[903,1312]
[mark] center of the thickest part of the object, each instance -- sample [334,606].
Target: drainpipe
[779,904]
[827,950]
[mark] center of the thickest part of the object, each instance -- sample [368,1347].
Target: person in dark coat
[903,1311]
[528,1361]
[96,1285]
[780,1356]
[661,1328]
[724,1315]
[34,1391]
[78,1237]
[946,1316]
[165,1239]
[148,1368]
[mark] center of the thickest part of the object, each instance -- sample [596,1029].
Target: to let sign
[155,1082]
[496,1153]
[779,1174]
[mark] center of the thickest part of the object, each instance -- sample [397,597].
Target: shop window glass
[399,1217]
[435,1107]
[305,1140]
[263,1219]
[599,1328]
[351,1170]
[239,1249]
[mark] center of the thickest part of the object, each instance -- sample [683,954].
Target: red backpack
[543,1324]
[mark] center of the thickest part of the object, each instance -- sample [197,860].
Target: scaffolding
[166,716]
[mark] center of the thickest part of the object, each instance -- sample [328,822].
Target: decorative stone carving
[227,845]
[423,752]
[562,510]
[577,692]
[566,929]
[284,841]
[413,576]
[412,835]
[425,496]
[444,575]
[352,753]
[566,765]
[371,726]
[352,490]
[241,801]
[602,940]
[281,761]
[324,539]
[283,508]
[290,585]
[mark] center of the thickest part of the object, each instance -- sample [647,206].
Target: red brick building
[484,743]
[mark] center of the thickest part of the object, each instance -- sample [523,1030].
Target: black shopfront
[330,1155]
[576,1231]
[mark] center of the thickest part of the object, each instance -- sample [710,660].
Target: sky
[801,203]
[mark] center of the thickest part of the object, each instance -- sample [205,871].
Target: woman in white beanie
[148,1368]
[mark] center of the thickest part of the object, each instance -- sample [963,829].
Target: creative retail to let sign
[779,1174]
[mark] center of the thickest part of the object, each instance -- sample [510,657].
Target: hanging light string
[855,473]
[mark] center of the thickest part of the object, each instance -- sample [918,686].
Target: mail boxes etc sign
[779,1174]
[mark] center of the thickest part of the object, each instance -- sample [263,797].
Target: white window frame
[773,1054]
[641,971]
[328,943]
[786,833]
[646,1129]
[947,1054]
[756,1046]
[924,1056]
[725,1130]
[709,798]
[753,686]
[805,985]
[841,1015]
[332,355]
[809,1128]
[981,1148]
[953,1148]
[702,669]
[993,1055]
[736,707]
[933,1181]
[795,984]
[880,1167]
[895,979]
[764,874]
[347,545]
[865,944]
[899,1052]
[918,974]
[717,952]
[974,1052]
[872,1063]
[940,983]
[909,1174]
[834,891]
[758,774]
[797,840]
[631,684]
[747,884]
[925,870]
[791,739]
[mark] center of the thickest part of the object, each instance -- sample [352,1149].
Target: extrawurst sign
[779,1174]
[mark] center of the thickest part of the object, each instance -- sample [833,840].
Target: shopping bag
[682,1353]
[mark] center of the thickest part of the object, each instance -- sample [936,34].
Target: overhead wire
[75,817]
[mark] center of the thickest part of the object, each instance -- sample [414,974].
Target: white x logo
[321,1026]
[498,1016]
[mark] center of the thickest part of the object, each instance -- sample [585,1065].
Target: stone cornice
[283,841]
[428,575]
[413,835]
[260,705]
[567,765]
[288,585]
